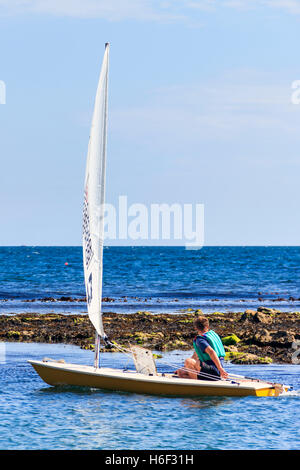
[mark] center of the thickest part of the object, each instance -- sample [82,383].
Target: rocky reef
[259,336]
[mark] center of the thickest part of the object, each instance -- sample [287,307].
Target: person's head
[201,324]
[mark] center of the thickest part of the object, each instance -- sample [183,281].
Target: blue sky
[200,111]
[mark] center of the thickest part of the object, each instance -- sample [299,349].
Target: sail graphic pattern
[86,233]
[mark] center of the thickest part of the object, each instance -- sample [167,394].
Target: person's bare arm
[212,354]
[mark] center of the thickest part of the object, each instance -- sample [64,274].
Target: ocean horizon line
[152,246]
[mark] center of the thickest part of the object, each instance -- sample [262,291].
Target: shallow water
[36,416]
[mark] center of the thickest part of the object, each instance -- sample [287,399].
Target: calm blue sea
[155,279]
[36,416]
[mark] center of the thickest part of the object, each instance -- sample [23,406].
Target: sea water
[34,415]
[155,279]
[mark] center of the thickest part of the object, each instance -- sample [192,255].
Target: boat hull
[57,374]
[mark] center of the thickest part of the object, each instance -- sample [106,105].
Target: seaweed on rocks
[264,335]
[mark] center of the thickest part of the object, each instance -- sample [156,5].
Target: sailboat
[145,378]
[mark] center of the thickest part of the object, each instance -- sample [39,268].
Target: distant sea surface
[155,279]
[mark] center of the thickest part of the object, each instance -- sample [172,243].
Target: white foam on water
[290,393]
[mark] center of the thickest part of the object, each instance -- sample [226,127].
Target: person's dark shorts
[208,369]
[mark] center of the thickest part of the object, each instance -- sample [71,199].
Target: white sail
[94,199]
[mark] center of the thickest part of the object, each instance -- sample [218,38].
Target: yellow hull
[56,373]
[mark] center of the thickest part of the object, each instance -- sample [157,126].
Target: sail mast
[94,200]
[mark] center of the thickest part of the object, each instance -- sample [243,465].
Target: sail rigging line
[230,377]
[186,369]
[254,379]
[128,353]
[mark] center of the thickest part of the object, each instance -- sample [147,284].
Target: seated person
[208,357]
